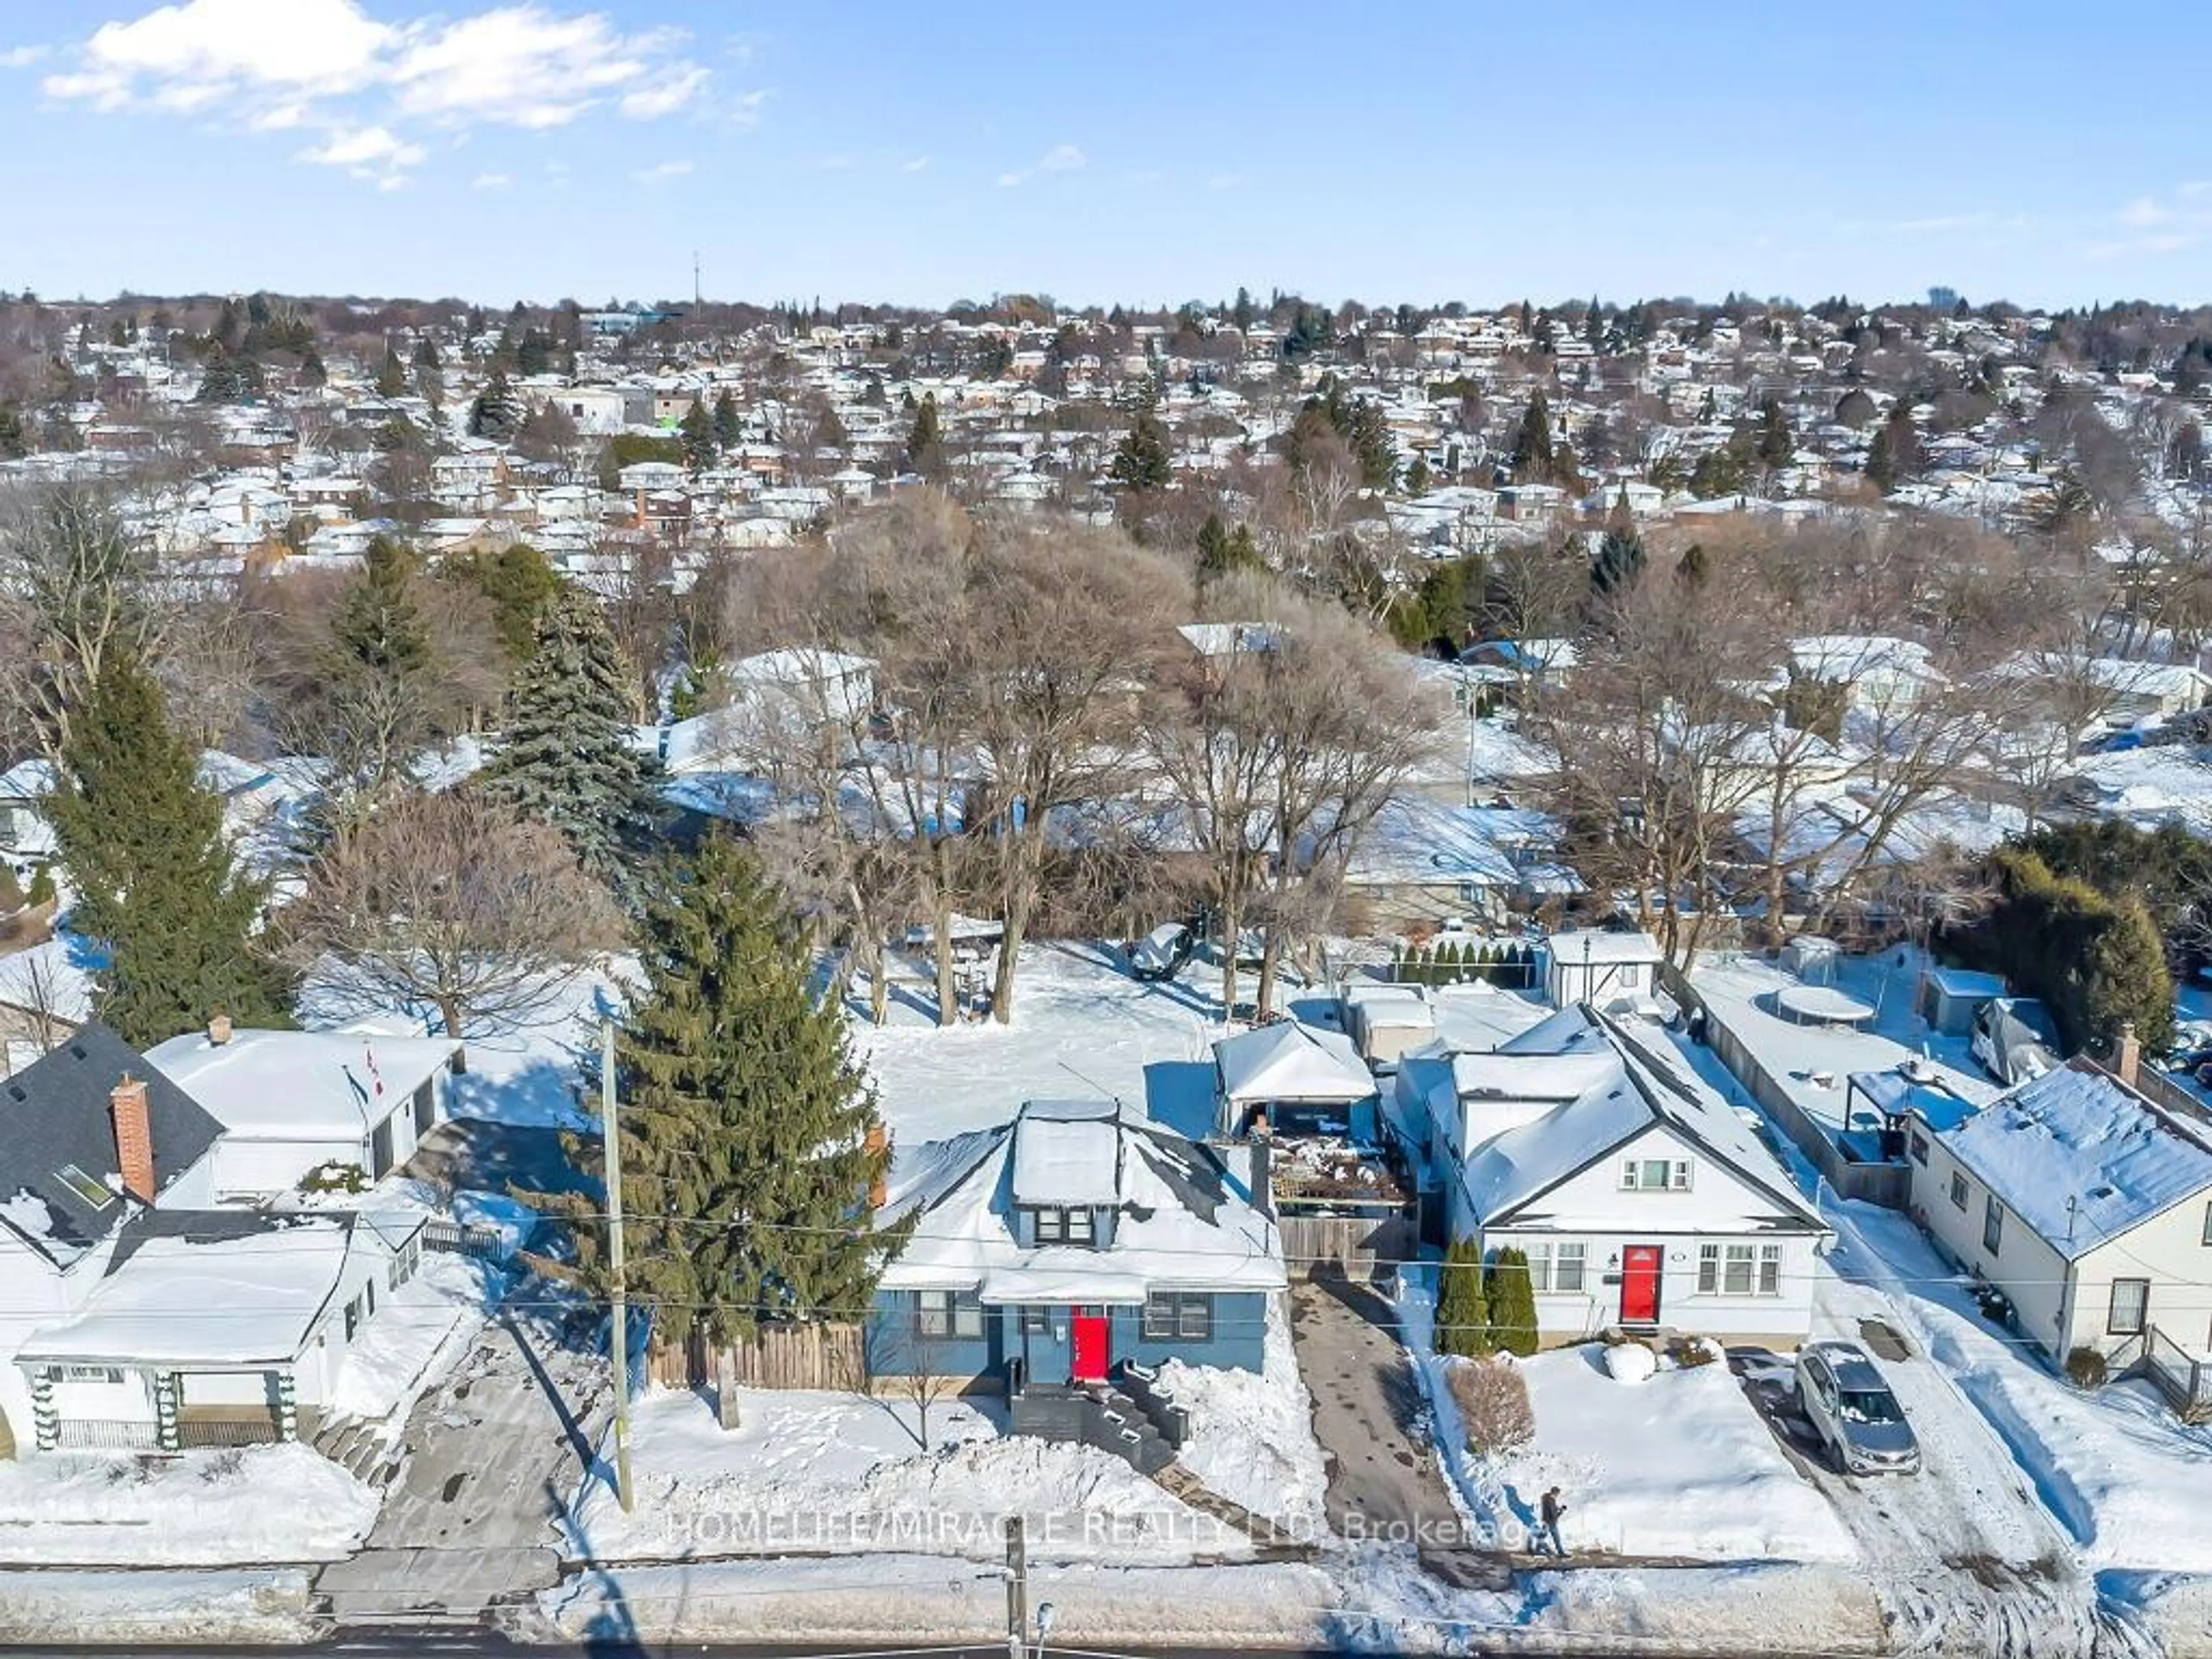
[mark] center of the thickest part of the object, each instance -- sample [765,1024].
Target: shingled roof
[60,1183]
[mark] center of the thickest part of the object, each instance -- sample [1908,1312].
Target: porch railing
[107,1434]
[2185,1378]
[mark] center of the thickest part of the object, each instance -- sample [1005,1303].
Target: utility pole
[1018,1589]
[613,1134]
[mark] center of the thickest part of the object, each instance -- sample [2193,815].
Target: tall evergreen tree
[698,433]
[925,441]
[391,376]
[497,412]
[378,625]
[1512,1302]
[1463,1307]
[144,843]
[567,759]
[729,424]
[1142,461]
[1532,444]
[746,1119]
[1775,444]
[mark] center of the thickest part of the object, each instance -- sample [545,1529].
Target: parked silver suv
[1852,1410]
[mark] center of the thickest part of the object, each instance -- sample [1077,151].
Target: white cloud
[919,164]
[212,48]
[2144,212]
[674,92]
[1061,158]
[2154,224]
[1226,181]
[492,181]
[376,153]
[661,172]
[15,57]
[329,66]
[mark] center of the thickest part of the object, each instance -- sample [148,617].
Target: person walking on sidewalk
[1549,1511]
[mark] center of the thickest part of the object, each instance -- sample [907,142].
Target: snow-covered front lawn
[1251,1433]
[808,1473]
[1682,1465]
[260,1504]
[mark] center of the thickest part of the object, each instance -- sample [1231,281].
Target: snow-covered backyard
[1081,1027]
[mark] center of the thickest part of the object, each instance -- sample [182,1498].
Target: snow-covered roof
[1186,1215]
[1646,1084]
[253,1286]
[1602,949]
[1291,1060]
[292,1085]
[2081,1157]
[1065,1152]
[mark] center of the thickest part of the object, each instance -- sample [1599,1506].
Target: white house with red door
[1642,1199]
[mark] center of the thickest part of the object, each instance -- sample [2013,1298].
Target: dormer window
[1064,1225]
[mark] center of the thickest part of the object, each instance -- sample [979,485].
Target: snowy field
[1680,1466]
[260,1504]
[1081,1028]
[826,1473]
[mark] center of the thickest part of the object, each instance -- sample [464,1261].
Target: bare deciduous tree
[449,900]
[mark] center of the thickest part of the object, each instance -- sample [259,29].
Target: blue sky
[886,149]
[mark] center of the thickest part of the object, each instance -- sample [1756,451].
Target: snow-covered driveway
[1963,1554]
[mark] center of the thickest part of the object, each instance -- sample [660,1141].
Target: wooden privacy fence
[795,1356]
[1361,1247]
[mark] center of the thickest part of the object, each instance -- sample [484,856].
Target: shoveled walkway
[1371,1418]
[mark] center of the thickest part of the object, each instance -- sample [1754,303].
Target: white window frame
[1709,1270]
[1735,1257]
[933,1314]
[1962,1191]
[1992,1226]
[1770,1270]
[1575,1254]
[1539,1266]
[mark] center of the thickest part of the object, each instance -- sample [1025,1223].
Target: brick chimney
[134,1136]
[878,1143]
[2127,1055]
[218,1029]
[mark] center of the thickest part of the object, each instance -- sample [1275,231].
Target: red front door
[1090,1346]
[1639,1285]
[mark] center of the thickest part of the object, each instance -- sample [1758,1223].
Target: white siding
[34,1293]
[1718,1208]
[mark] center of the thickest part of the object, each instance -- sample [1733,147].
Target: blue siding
[894,1350]
[1238,1342]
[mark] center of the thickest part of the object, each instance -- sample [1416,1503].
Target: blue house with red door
[1074,1249]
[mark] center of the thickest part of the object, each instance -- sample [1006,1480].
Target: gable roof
[1645,1087]
[1291,1060]
[291,1085]
[2081,1157]
[55,1117]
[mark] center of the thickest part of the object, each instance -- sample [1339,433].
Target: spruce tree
[1513,1303]
[924,443]
[1462,1309]
[746,1119]
[729,424]
[391,376]
[567,759]
[1532,443]
[144,843]
[497,412]
[698,433]
[1142,461]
